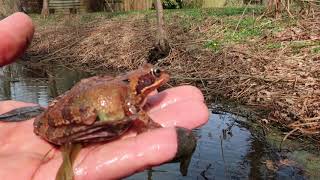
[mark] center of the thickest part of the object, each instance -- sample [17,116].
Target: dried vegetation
[267,64]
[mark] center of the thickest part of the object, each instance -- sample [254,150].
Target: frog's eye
[126,80]
[156,72]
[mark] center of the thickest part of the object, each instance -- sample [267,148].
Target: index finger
[16,32]
[179,106]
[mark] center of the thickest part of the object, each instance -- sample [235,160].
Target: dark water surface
[226,149]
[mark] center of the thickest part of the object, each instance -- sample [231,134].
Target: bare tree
[45,8]
[162,39]
[162,47]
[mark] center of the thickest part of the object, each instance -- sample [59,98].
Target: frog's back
[82,106]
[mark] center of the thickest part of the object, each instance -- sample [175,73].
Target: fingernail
[187,144]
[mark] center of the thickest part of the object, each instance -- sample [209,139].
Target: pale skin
[22,152]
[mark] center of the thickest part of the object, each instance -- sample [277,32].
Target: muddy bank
[266,64]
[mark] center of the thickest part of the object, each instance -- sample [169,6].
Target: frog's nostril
[132,109]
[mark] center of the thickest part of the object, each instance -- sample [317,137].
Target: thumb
[16,32]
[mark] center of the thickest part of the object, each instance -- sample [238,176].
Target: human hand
[22,152]
[16,32]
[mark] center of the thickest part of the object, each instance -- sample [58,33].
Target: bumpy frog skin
[100,108]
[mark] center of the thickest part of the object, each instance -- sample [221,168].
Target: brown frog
[98,109]
[101,108]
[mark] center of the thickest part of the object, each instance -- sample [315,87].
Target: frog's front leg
[143,122]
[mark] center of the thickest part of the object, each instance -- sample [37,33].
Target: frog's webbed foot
[69,153]
[21,114]
[187,144]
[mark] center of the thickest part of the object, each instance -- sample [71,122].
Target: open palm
[23,155]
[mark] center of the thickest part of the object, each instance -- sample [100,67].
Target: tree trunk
[45,8]
[162,39]
[8,7]
[162,48]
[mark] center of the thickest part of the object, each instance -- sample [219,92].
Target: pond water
[226,148]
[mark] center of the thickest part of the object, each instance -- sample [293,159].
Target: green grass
[234,25]
[233,11]
[275,45]
[239,23]
[242,30]
[214,45]
[316,50]
[237,31]
[297,46]
[199,13]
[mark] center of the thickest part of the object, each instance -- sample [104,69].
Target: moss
[310,162]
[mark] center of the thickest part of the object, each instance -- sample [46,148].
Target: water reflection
[37,86]
[216,157]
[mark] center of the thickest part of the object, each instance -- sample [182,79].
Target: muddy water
[226,148]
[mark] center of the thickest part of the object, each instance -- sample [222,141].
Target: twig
[202,82]
[224,161]
[55,58]
[313,119]
[287,9]
[287,135]
[109,5]
[232,76]
[304,124]
[242,15]
[59,50]
[244,91]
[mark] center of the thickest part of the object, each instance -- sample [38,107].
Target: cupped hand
[23,154]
